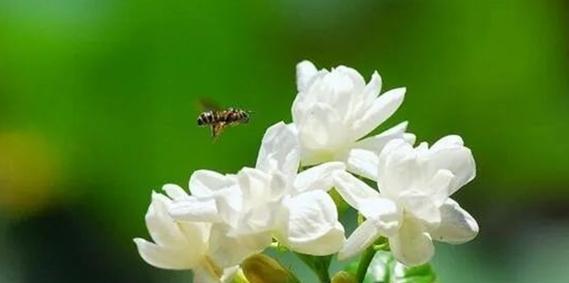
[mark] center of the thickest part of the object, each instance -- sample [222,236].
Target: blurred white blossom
[335,109]
[273,199]
[414,207]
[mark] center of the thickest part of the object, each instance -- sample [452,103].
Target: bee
[217,120]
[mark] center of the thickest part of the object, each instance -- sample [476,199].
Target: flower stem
[365,260]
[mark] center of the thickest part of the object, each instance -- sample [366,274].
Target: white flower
[273,199]
[414,207]
[335,109]
[184,245]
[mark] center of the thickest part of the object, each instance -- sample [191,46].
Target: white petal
[197,234]
[258,219]
[206,182]
[377,142]
[448,153]
[280,150]
[398,168]
[383,107]
[305,70]
[421,206]
[409,138]
[313,226]
[363,162]
[326,244]
[318,177]
[229,273]
[175,192]
[384,213]
[448,141]
[353,190]
[162,228]
[195,209]
[319,130]
[203,274]
[255,185]
[373,88]
[226,250]
[457,226]
[412,246]
[167,258]
[438,188]
[359,240]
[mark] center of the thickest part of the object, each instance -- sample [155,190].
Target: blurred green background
[98,101]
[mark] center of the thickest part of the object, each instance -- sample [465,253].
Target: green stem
[365,260]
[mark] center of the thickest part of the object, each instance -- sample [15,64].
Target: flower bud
[343,277]
[263,269]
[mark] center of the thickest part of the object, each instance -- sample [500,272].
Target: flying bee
[217,119]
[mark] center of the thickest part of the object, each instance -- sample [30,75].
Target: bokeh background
[98,101]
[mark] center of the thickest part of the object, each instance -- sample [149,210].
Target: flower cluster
[285,197]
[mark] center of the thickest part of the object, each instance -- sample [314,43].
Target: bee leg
[216,129]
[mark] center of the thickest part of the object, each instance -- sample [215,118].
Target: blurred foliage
[98,100]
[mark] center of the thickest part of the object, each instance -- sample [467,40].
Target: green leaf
[341,205]
[318,264]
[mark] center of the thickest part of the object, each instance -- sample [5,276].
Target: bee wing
[207,104]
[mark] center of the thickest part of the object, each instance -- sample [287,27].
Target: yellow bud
[343,277]
[263,269]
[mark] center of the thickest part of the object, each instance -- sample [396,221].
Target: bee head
[247,116]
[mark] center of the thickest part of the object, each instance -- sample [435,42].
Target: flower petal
[312,226]
[205,274]
[382,108]
[384,213]
[197,234]
[449,153]
[353,190]
[205,183]
[280,150]
[377,142]
[318,177]
[421,206]
[255,185]
[305,70]
[373,88]
[226,250]
[412,246]
[319,130]
[363,237]
[195,209]
[457,226]
[258,219]
[398,168]
[363,162]
[162,228]
[438,187]
[175,192]
[166,258]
